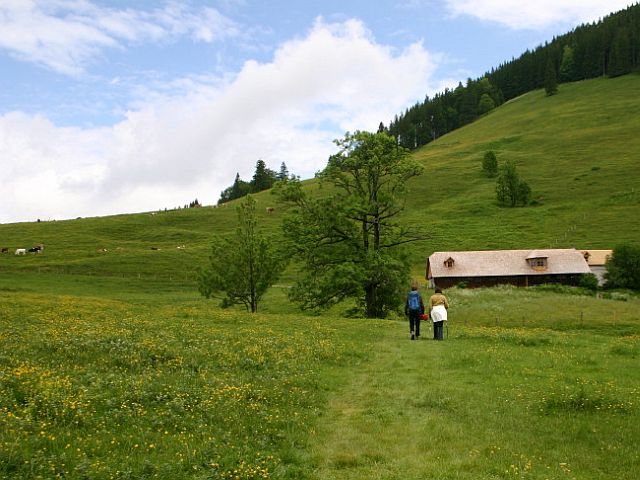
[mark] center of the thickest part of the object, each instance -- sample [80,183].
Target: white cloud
[179,147]
[518,14]
[66,35]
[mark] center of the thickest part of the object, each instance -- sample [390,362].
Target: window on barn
[449,262]
[538,263]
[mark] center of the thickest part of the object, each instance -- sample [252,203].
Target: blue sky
[110,106]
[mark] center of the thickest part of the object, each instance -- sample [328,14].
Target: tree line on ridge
[609,47]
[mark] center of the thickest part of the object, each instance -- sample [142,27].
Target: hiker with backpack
[414,308]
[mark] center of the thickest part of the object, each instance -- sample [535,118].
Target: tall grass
[101,388]
[116,383]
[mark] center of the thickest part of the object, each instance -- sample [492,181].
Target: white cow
[21,251]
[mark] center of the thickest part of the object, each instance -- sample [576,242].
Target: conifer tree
[567,65]
[261,178]
[550,79]
[283,174]
[620,57]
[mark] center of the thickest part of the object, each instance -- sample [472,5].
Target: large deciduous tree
[348,234]
[623,268]
[242,266]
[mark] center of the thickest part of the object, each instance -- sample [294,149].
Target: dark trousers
[414,323]
[438,330]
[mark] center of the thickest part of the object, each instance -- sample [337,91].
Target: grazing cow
[36,249]
[155,248]
[5,249]
[21,251]
[270,209]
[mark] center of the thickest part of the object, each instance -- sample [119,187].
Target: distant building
[597,260]
[515,267]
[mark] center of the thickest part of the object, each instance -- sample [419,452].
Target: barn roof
[596,257]
[502,263]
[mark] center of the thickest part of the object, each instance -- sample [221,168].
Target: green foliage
[511,191]
[550,79]
[451,109]
[621,54]
[263,178]
[239,189]
[490,164]
[589,281]
[567,65]
[349,240]
[486,104]
[242,266]
[623,268]
[283,174]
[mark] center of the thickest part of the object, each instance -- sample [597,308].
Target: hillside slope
[578,151]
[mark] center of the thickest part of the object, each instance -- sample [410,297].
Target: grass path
[383,423]
[484,404]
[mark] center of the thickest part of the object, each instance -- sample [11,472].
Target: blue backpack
[414,300]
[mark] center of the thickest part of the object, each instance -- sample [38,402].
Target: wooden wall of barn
[517,280]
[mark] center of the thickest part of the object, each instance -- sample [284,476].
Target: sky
[113,106]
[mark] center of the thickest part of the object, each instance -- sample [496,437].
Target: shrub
[589,281]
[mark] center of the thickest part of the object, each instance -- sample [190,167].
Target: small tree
[623,268]
[490,164]
[511,191]
[242,266]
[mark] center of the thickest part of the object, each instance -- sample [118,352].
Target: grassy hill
[113,367]
[578,151]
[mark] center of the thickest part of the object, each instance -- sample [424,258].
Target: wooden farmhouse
[597,261]
[515,267]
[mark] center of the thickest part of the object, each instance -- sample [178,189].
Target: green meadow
[113,367]
[115,382]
